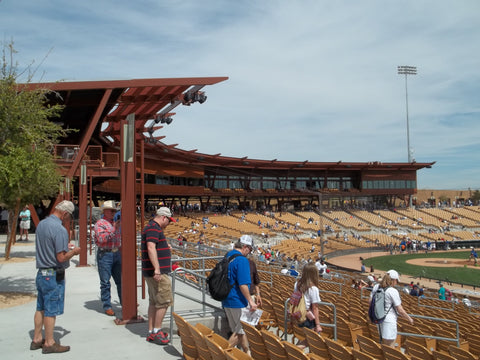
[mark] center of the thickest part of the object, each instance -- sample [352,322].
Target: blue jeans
[109,265]
[51,293]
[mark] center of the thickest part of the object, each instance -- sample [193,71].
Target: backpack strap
[230,259]
[391,306]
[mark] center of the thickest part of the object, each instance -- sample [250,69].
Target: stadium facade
[98,111]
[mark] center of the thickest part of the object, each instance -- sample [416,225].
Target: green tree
[476,197]
[28,172]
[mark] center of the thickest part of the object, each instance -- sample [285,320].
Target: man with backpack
[392,308]
[239,296]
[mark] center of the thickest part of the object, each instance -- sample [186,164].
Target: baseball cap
[370,278]
[66,205]
[164,211]
[393,275]
[246,240]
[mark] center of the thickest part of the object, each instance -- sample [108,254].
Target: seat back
[414,349]
[202,348]
[439,355]
[359,355]
[316,344]
[274,346]
[337,351]
[294,352]
[255,342]
[461,354]
[369,347]
[236,354]
[188,343]
[392,353]
[216,344]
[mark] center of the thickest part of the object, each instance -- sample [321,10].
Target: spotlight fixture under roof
[163,120]
[191,97]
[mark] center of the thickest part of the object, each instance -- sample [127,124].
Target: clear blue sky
[309,80]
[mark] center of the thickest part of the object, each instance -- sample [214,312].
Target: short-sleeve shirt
[24,215]
[51,239]
[441,293]
[154,233]
[238,274]
[392,300]
[311,296]
[253,276]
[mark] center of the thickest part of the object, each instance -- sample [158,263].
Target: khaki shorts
[160,292]
[233,318]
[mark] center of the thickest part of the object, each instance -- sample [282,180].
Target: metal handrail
[200,286]
[447,302]
[457,339]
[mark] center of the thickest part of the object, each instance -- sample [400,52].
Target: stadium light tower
[407,70]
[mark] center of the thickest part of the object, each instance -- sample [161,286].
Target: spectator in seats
[294,272]
[284,269]
[466,301]
[308,286]
[322,268]
[414,291]
[370,281]
[441,293]
[388,329]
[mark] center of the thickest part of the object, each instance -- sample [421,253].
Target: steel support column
[142,197]
[82,215]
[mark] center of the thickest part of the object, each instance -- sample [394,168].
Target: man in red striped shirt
[156,265]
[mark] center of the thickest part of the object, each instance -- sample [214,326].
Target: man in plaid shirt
[109,259]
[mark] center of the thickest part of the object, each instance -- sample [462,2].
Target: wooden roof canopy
[111,102]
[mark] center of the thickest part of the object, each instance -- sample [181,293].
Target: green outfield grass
[460,275]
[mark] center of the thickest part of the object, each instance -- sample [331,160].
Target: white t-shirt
[311,296]
[392,299]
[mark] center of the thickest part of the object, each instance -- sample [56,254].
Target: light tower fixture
[407,70]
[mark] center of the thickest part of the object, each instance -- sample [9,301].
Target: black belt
[114,250]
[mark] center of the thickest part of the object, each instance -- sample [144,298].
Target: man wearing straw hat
[109,259]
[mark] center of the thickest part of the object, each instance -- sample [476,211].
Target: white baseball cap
[66,205]
[246,240]
[393,275]
[164,211]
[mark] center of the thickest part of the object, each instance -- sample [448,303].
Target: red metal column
[128,219]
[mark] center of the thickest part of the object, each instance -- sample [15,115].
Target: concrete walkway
[90,333]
